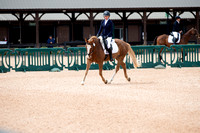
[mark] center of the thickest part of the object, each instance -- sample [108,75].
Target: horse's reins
[198,36]
[91,52]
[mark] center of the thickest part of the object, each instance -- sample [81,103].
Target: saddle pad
[115,48]
[170,37]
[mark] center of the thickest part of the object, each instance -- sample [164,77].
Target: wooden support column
[174,16]
[124,25]
[145,27]
[168,23]
[37,29]
[197,19]
[91,24]
[73,19]
[20,27]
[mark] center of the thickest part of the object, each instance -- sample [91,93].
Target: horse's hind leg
[160,57]
[100,72]
[183,56]
[125,73]
[116,70]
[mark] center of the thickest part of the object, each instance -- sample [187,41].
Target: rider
[106,31]
[176,29]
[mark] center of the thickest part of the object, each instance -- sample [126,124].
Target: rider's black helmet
[106,13]
[177,17]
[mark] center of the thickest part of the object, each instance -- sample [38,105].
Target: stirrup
[174,43]
[106,56]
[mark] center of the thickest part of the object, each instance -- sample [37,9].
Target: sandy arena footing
[155,101]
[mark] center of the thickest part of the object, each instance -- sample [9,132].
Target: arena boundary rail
[190,58]
[45,59]
[5,60]
[77,60]
[38,59]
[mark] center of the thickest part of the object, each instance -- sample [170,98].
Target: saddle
[174,35]
[114,46]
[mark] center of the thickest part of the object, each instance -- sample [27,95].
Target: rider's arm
[100,29]
[180,28]
[111,29]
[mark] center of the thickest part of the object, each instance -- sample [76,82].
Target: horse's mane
[188,32]
[93,39]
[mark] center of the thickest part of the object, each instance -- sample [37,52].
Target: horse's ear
[86,40]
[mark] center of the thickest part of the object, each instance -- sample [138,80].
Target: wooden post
[20,27]
[145,27]
[91,24]
[72,26]
[197,18]
[174,15]
[124,26]
[37,29]
[168,24]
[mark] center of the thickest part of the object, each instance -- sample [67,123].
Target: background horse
[163,39]
[95,53]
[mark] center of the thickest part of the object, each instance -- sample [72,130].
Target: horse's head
[194,31]
[90,46]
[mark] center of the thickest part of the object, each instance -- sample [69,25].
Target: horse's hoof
[129,79]
[106,81]
[82,83]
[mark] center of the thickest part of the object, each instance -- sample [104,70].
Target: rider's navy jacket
[107,30]
[176,26]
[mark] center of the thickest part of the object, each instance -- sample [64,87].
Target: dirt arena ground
[155,101]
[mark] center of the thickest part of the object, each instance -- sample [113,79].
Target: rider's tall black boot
[174,40]
[110,54]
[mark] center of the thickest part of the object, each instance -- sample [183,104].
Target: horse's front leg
[86,72]
[100,72]
[183,55]
[116,70]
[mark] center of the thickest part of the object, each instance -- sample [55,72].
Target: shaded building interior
[136,26]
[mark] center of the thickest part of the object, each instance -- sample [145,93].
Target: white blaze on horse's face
[88,50]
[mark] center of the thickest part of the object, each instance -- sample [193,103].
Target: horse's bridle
[92,50]
[198,35]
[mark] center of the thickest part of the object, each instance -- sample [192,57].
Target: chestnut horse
[163,39]
[95,53]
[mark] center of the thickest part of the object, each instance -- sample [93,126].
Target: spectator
[51,41]
[5,39]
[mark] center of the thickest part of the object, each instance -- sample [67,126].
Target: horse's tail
[155,40]
[131,53]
